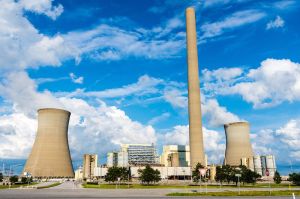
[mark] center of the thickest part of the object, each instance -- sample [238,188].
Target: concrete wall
[50,154]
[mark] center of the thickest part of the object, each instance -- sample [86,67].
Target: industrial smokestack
[50,155]
[238,146]
[194,102]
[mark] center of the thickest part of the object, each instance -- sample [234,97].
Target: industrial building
[50,155]
[238,146]
[133,154]
[90,161]
[194,100]
[175,156]
[112,159]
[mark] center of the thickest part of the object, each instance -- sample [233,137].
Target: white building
[165,172]
[264,164]
[175,155]
[137,154]
[112,159]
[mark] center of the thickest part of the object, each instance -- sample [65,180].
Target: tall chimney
[195,123]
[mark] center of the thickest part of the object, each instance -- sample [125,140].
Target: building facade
[112,159]
[175,156]
[90,161]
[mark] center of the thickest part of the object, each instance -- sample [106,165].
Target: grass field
[48,186]
[164,186]
[243,193]
[17,185]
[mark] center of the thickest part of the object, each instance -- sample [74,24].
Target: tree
[26,180]
[220,175]
[295,178]
[13,179]
[149,175]
[277,178]
[248,176]
[1,177]
[196,173]
[114,173]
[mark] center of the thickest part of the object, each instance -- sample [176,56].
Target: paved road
[68,190]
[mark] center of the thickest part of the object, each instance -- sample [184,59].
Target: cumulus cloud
[276,23]
[290,134]
[42,7]
[22,46]
[213,141]
[272,83]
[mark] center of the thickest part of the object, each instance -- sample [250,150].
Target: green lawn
[17,185]
[48,186]
[164,186]
[243,193]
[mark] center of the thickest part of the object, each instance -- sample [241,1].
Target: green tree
[149,175]
[13,179]
[196,173]
[295,178]
[220,175]
[113,173]
[248,176]
[277,178]
[25,180]
[1,177]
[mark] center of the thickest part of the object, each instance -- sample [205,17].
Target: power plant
[194,101]
[50,155]
[238,146]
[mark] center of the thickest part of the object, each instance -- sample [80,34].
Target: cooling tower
[50,154]
[194,102]
[238,144]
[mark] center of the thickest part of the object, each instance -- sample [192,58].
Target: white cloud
[272,83]
[17,133]
[75,79]
[213,141]
[42,7]
[217,115]
[159,118]
[276,23]
[235,20]
[144,86]
[284,4]
[22,46]
[290,134]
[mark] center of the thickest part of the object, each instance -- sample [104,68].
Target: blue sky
[120,68]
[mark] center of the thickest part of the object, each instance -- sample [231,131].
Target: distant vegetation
[295,178]
[229,174]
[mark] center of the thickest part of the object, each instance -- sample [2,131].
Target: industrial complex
[50,155]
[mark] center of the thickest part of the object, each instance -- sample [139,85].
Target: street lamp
[238,175]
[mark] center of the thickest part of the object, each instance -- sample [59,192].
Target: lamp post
[238,175]
[11,171]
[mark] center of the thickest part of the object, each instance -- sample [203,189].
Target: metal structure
[194,101]
[238,146]
[137,154]
[50,155]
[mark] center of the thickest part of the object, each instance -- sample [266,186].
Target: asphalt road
[69,190]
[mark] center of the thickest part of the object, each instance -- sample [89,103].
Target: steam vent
[238,146]
[194,101]
[50,156]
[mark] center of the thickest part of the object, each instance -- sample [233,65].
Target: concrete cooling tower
[238,146]
[194,101]
[50,155]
